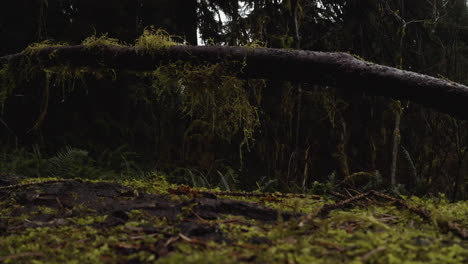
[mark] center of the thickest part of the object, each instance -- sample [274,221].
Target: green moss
[33,48]
[47,210]
[154,39]
[213,97]
[38,180]
[101,40]
[87,220]
[154,183]
[374,233]
[61,245]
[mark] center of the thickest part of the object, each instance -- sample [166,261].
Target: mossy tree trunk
[338,69]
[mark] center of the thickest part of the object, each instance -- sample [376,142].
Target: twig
[203,220]
[171,240]
[372,252]
[337,194]
[143,236]
[326,209]
[194,241]
[458,229]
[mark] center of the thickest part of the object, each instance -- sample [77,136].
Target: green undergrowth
[111,165]
[371,231]
[70,162]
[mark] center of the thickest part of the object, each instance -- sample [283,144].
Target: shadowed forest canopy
[280,95]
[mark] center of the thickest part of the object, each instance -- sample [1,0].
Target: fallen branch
[336,69]
[186,190]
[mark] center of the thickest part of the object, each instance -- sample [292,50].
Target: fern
[265,184]
[70,163]
[198,181]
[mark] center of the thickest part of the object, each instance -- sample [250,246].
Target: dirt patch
[76,198]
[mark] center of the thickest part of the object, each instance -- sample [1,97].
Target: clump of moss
[101,40]
[153,39]
[155,183]
[33,48]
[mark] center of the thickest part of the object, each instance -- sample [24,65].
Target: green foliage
[22,162]
[70,163]
[221,177]
[67,163]
[325,187]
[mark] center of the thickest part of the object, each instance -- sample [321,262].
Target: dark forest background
[310,138]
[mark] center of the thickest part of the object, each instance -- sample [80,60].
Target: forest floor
[79,221]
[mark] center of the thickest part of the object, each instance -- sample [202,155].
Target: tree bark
[336,69]
[395,144]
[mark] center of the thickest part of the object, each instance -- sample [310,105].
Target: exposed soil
[115,201]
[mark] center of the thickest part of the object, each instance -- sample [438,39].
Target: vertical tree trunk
[395,143]
[294,21]
[461,154]
[340,156]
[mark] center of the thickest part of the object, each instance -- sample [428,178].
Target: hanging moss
[212,97]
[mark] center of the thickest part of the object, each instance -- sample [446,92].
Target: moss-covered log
[337,69]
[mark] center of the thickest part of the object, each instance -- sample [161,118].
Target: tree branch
[336,69]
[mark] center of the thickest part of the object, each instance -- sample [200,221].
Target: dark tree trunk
[338,69]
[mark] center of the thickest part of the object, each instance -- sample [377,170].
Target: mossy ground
[151,221]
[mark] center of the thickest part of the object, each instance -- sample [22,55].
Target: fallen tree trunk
[335,69]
